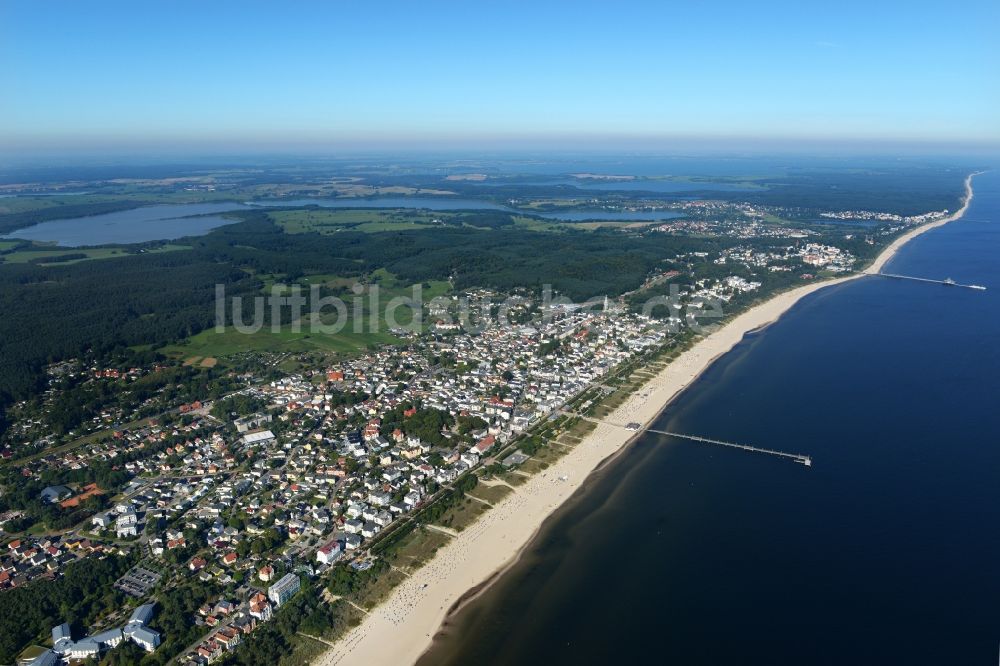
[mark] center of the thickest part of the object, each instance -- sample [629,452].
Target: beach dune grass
[492,494]
[416,548]
[462,514]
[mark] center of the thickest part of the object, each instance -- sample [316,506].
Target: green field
[329,221]
[45,251]
[536,224]
[212,345]
[367,221]
[219,345]
[10,205]
[24,256]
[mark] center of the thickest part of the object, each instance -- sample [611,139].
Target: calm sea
[886,551]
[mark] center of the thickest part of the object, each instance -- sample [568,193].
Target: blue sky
[312,73]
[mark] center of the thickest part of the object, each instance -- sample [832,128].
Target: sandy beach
[400,629]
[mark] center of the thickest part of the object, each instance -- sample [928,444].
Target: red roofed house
[485,444]
[328,552]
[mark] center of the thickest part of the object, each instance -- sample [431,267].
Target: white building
[284,589]
[329,552]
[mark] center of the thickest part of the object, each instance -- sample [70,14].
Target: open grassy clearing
[491,494]
[40,252]
[536,224]
[19,204]
[25,256]
[209,344]
[327,221]
[378,590]
[463,514]
[354,336]
[418,547]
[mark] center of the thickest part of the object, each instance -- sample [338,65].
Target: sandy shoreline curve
[403,626]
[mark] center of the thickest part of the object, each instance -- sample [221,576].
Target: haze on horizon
[254,76]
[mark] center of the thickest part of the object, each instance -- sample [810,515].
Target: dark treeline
[56,312]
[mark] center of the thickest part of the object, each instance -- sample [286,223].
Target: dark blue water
[138,225]
[886,551]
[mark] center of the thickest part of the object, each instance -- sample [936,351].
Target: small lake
[138,225]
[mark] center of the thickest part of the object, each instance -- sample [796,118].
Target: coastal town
[327,462]
[499,334]
[303,478]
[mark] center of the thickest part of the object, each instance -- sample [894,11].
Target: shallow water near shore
[885,551]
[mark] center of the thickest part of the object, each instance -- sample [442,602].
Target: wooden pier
[797,457]
[947,283]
